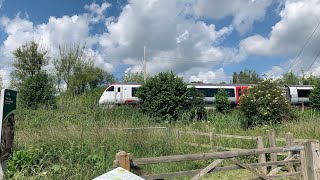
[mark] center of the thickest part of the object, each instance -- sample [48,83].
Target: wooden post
[168,135]
[313,160]
[178,133]
[303,165]
[211,139]
[123,159]
[272,142]
[290,142]
[262,157]
[302,107]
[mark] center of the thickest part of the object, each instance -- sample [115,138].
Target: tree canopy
[246,77]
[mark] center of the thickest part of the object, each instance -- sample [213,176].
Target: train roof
[299,85]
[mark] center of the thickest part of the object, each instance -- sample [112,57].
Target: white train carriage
[120,93]
[298,94]
[124,93]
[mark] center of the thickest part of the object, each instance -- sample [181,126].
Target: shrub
[196,104]
[315,96]
[166,95]
[265,104]
[221,102]
[37,91]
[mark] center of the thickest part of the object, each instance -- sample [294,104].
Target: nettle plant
[265,104]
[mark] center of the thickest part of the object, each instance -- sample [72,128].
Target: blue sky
[200,40]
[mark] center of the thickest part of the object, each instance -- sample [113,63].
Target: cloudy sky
[201,40]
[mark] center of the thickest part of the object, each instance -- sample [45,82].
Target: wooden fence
[304,160]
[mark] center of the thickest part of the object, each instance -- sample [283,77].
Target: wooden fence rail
[305,157]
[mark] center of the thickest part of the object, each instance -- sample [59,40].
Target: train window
[134,91]
[303,92]
[230,92]
[208,92]
[119,89]
[111,88]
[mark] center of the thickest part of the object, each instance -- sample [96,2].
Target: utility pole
[144,64]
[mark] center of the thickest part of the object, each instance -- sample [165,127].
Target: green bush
[315,96]
[166,95]
[265,104]
[37,91]
[196,104]
[221,102]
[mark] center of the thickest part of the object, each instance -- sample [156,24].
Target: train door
[239,92]
[119,94]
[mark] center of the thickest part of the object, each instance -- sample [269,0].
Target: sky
[199,40]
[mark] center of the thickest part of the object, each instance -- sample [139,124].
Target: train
[125,93]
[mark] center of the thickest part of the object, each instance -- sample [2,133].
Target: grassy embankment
[73,141]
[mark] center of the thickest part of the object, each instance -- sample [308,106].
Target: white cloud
[244,12]
[275,72]
[174,41]
[298,20]
[97,11]
[210,77]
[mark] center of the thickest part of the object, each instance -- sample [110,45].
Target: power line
[305,44]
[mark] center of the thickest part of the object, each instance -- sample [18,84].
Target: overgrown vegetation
[74,141]
[221,102]
[315,97]
[165,95]
[76,69]
[265,104]
[30,79]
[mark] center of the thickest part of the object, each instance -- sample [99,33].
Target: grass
[75,142]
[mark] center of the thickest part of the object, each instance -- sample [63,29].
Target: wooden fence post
[290,142]
[313,160]
[272,142]
[168,135]
[123,160]
[303,165]
[212,139]
[262,157]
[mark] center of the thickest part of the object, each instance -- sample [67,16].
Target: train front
[108,96]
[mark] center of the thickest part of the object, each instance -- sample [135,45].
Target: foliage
[246,77]
[75,68]
[34,84]
[133,77]
[309,79]
[221,102]
[196,104]
[165,95]
[315,96]
[290,78]
[265,104]
[37,91]
[29,60]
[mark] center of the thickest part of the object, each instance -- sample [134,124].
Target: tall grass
[75,140]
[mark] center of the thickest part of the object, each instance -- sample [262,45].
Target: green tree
[315,96]
[37,91]
[165,95]
[309,79]
[75,68]
[290,78]
[33,83]
[29,60]
[246,77]
[221,102]
[265,104]
[133,77]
